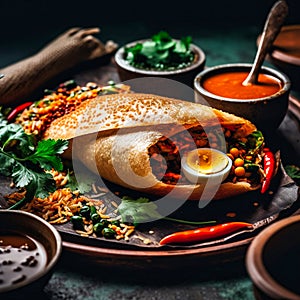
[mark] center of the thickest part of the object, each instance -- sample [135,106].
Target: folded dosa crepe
[137,140]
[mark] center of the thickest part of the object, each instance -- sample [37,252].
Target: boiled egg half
[203,164]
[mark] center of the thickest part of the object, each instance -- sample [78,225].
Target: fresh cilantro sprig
[82,182]
[294,172]
[161,52]
[27,161]
[143,210]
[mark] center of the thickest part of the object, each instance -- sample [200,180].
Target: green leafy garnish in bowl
[161,52]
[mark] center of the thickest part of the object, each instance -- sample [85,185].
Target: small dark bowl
[273,261]
[27,224]
[184,75]
[285,53]
[266,113]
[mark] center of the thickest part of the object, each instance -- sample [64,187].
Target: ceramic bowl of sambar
[273,260]
[265,104]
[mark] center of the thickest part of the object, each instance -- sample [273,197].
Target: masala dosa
[117,130]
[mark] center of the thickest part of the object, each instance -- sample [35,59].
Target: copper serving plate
[251,207]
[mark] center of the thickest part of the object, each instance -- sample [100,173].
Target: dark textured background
[32,23]
[40,15]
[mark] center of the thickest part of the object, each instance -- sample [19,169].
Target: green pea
[105,222]
[77,222]
[95,218]
[115,222]
[97,228]
[251,167]
[48,92]
[70,84]
[85,211]
[108,233]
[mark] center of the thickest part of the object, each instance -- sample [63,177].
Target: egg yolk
[207,161]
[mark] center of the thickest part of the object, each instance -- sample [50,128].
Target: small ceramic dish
[206,164]
[273,261]
[184,75]
[29,249]
[266,112]
[285,53]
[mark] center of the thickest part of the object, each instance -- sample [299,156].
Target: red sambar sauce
[230,85]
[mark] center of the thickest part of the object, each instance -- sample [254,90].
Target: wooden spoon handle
[272,27]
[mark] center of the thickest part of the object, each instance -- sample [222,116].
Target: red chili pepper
[269,168]
[204,233]
[17,110]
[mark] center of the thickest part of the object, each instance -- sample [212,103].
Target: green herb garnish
[82,181]
[294,172]
[162,52]
[255,141]
[27,161]
[141,210]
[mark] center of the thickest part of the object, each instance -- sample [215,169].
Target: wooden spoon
[272,27]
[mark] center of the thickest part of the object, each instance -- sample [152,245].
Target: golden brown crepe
[116,132]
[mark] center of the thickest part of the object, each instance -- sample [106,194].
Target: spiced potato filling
[246,154]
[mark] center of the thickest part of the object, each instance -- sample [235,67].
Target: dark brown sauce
[21,258]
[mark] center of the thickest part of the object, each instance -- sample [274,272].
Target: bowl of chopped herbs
[161,55]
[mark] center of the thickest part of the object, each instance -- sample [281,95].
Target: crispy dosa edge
[105,114]
[109,112]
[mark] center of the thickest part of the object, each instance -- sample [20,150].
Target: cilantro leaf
[143,210]
[81,182]
[42,184]
[161,37]
[138,211]
[26,161]
[21,175]
[13,135]
[45,154]
[6,163]
[161,52]
[294,172]
[148,49]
